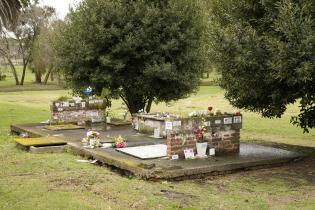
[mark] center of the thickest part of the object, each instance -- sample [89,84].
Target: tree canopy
[142,50]
[265,51]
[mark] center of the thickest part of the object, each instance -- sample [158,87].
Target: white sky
[61,6]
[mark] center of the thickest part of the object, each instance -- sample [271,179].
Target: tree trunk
[149,104]
[49,73]
[38,77]
[52,78]
[133,103]
[15,75]
[23,73]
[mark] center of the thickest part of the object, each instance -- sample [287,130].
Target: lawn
[57,181]
[8,85]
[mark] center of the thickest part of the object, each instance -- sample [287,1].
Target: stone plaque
[217,122]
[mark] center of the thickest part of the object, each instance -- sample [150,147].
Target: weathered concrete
[48,149]
[250,156]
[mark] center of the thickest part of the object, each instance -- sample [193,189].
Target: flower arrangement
[120,142]
[199,131]
[92,139]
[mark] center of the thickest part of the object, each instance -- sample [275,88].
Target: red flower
[210,108]
[121,145]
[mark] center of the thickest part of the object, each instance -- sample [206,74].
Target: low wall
[222,131]
[77,111]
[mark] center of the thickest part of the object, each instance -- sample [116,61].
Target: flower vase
[202,149]
[92,143]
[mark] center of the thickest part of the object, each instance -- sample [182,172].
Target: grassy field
[57,181]
[8,85]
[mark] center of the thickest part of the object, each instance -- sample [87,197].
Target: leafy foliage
[265,51]
[142,50]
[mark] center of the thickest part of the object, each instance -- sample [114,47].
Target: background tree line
[147,51]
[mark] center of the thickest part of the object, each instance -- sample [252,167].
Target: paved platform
[250,156]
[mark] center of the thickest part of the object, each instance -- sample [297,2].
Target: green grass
[8,85]
[57,181]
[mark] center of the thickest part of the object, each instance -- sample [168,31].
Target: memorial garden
[157,105]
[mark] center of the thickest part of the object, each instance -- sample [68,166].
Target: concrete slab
[47,149]
[40,141]
[250,156]
[145,152]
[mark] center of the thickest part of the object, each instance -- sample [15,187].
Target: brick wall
[177,143]
[74,111]
[222,133]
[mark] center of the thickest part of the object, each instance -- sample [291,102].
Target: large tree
[19,40]
[265,51]
[43,55]
[143,50]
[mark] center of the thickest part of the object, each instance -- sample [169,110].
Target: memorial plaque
[212,152]
[227,120]
[177,123]
[175,157]
[146,152]
[207,123]
[237,119]
[217,122]
[65,104]
[168,125]
[189,154]
[156,133]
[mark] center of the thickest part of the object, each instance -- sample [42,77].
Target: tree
[23,36]
[265,51]
[43,55]
[142,50]
[9,12]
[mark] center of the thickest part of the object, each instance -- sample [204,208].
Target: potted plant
[201,144]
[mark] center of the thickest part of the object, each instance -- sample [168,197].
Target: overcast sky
[61,6]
